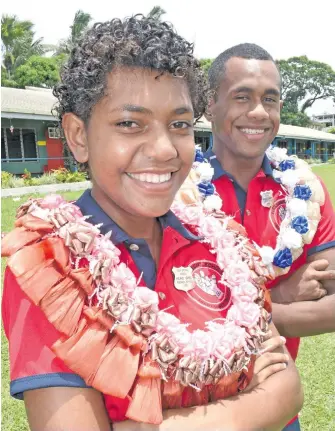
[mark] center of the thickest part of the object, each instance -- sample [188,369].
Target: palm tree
[18,42]
[79,26]
[156,13]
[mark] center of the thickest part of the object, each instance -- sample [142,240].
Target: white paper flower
[318,194]
[267,254]
[306,173]
[313,211]
[277,154]
[308,236]
[277,174]
[290,178]
[213,203]
[205,171]
[300,164]
[297,207]
[290,239]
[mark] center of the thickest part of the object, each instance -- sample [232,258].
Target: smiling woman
[99,294]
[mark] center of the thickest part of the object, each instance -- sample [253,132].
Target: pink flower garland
[118,292]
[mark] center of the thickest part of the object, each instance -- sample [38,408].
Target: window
[29,143]
[54,133]
[3,145]
[18,145]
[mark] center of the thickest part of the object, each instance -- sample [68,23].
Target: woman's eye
[181,125]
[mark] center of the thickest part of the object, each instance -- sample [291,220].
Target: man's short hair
[249,51]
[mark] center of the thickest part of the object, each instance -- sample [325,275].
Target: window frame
[23,158]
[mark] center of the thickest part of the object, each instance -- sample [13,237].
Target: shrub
[6,179]
[63,175]
[28,180]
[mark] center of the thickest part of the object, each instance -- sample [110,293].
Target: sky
[285,28]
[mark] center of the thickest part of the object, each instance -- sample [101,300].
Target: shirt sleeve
[30,336]
[325,234]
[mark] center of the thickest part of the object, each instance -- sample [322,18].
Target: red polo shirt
[33,365]
[262,223]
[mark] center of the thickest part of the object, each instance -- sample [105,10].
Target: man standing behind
[245,114]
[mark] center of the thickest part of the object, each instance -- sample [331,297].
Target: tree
[78,28]
[156,13]
[38,72]
[18,43]
[206,63]
[303,82]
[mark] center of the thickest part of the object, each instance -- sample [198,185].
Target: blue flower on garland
[287,164]
[207,189]
[302,192]
[199,157]
[300,224]
[283,258]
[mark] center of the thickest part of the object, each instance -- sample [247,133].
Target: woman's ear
[76,137]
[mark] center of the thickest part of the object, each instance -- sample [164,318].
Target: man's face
[246,112]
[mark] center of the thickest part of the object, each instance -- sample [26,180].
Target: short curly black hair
[137,41]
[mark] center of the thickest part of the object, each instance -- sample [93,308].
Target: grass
[315,361]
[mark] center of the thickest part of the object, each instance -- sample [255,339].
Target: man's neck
[243,170]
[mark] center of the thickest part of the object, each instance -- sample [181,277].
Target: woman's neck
[134,225]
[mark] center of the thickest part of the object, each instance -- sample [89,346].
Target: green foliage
[9,181]
[294,118]
[156,13]
[332,130]
[6,179]
[331,161]
[206,63]
[63,175]
[305,81]
[28,180]
[79,26]
[313,161]
[19,44]
[38,72]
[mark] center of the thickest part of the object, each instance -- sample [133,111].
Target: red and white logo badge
[277,213]
[201,283]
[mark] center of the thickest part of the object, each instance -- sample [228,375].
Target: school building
[30,138]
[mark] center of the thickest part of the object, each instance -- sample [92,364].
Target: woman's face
[138,142]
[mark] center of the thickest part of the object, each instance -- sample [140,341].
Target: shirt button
[134,247]
[248,212]
[162,295]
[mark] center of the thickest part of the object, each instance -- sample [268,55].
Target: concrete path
[49,188]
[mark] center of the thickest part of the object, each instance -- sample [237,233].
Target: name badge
[183,279]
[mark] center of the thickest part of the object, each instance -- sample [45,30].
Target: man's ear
[209,114]
[76,137]
[281,104]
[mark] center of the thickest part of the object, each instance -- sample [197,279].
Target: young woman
[134,318]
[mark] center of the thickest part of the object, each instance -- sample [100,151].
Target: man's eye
[127,124]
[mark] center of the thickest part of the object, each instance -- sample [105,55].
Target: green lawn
[315,362]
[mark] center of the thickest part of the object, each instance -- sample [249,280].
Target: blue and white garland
[304,196]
